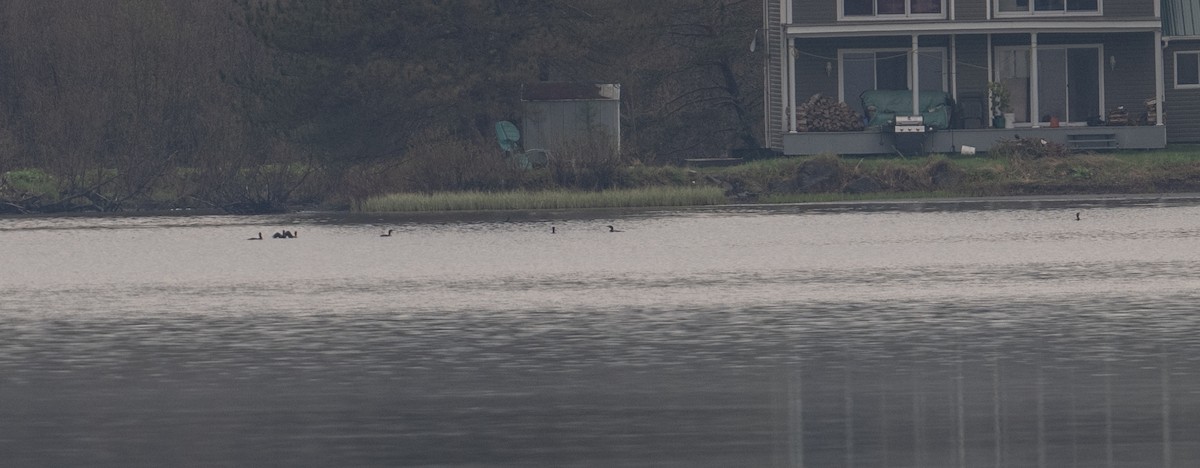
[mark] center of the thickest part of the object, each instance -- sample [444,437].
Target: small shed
[563,115]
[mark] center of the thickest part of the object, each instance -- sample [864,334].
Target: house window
[1033,7]
[865,9]
[887,69]
[1187,69]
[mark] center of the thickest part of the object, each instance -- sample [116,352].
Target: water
[968,334]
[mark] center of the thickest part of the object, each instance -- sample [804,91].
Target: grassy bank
[546,200]
[1021,168]
[826,178]
[1008,171]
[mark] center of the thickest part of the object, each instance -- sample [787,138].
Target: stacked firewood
[826,114]
[1118,116]
[1152,112]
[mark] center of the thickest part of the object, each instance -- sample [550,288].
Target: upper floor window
[864,9]
[1187,69]
[1048,6]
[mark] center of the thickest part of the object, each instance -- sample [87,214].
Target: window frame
[1102,75]
[841,65]
[907,15]
[1031,11]
[1175,66]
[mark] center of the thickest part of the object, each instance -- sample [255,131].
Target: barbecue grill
[909,133]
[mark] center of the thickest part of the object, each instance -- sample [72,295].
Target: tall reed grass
[545,200]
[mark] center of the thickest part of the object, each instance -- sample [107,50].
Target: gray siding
[814,11]
[1133,80]
[970,10]
[569,125]
[810,68]
[1128,9]
[776,124]
[972,64]
[1182,109]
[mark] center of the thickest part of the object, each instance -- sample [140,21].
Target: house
[1181,44]
[1091,74]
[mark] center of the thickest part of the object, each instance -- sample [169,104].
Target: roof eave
[980,27]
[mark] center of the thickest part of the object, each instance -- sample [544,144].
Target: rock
[862,185]
[817,175]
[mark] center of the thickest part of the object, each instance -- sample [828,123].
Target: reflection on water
[907,335]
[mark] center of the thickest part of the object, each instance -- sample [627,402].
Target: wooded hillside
[266,101]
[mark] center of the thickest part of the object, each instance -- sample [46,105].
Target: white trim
[1158,10]
[914,75]
[1100,83]
[766,32]
[991,76]
[1032,12]
[1035,79]
[1175,69]
[1159,85]
[967,27]
[1043,14]
[876,16]
[791,84]
[954,67]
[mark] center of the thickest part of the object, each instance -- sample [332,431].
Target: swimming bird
[552,230]
[611,229]
[256,238]
[388,234]
[1076,216]
[278,235]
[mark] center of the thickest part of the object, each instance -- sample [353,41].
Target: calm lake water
[999,333]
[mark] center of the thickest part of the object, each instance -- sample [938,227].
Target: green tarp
[935,107]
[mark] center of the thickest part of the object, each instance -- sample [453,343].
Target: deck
[874,141]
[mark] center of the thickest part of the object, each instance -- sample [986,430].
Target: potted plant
[1001,107]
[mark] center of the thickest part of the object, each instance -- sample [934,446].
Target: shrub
[1029,148]
[29,182]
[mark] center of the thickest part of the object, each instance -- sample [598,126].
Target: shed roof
[1181,18]
[570,91]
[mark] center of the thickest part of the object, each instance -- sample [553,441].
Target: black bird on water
[552,230]
[1076,216]
[611,229]
[388,234]
[256,238]
[284,235]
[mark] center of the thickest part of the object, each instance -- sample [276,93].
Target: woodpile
[826,114]
[1118,116]
[1152,112]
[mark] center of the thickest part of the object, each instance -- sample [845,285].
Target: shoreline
[1078,201]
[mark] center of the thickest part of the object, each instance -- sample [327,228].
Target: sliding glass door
[1068,82]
